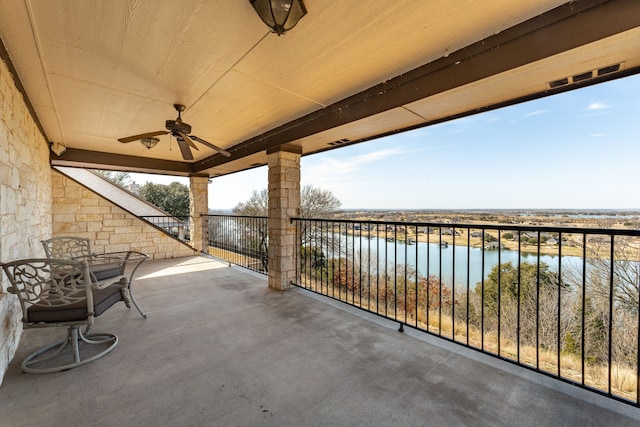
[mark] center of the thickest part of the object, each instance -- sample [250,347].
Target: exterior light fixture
[149,142]
[58,148]
[279,15]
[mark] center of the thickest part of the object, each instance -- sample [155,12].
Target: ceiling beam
[564,28]
[109,161]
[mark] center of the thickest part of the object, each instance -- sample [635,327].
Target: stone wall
[25,201]
[78,211]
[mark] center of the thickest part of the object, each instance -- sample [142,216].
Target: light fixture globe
[149,142]
[279,15]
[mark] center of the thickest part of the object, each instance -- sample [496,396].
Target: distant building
[493,246]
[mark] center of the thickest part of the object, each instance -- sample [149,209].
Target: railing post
[284,204]
[198,209]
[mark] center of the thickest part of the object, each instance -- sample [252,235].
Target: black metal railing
[240,240]
[176,226]
[560,301]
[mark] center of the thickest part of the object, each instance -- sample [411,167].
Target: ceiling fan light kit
[149,142]
[180,131]
[279,15]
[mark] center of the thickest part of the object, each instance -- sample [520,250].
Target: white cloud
[597,135]
[535,113]
[338,168]
[598,106]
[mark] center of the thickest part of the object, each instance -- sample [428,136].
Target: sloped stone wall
[78,211]
[25,201]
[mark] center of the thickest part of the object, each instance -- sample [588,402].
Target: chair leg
[74,336]
[127,296]
[133,300]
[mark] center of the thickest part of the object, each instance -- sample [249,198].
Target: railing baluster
[584,304]
[482,295]
[538,306]
[519,302]
[453,285]
[468,280]
[559,304]
[499,295]
[611,291]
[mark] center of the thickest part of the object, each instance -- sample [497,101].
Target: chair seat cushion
[102,300]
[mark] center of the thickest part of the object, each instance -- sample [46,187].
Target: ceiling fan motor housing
[176,126]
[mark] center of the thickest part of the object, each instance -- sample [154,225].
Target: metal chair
[67,247]
[102,266]
[53,293]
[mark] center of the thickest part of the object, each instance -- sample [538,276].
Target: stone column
[199,206]
[284,203]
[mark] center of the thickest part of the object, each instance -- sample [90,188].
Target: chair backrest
[48,287]
[67,247]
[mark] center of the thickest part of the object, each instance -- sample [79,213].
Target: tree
[172,198]
[257,205]
[533,291]
[118,178]
[314,203]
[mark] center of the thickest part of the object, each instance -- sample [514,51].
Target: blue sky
[578,150]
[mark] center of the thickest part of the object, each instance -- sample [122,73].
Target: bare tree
[314,203]
[317,202]
[256,205]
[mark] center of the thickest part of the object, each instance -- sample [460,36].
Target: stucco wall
[25,201]
[78,211]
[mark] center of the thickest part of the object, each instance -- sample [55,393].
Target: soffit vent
[339,142]
[587,75]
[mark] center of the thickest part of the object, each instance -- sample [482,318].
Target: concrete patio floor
[221,349]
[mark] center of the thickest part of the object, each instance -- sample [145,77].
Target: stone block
[95,226]
[133,230]
[71,227]
[101,235]
[73,192]
[64,218]
[116,248]
[118,223]
[96,210]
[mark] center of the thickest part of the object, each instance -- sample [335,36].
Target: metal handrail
[567,308]
[176,226]
[560,301]
[240,240]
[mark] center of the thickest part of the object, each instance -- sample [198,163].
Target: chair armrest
[101,284]
[105,266]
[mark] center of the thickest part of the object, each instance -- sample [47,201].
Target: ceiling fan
[181,131]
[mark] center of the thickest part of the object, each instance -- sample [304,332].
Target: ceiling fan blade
[210,145]
[184,149]
[142,135]
[188,140]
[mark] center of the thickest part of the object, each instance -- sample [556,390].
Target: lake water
[439,261]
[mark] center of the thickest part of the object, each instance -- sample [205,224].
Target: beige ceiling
[95,71]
